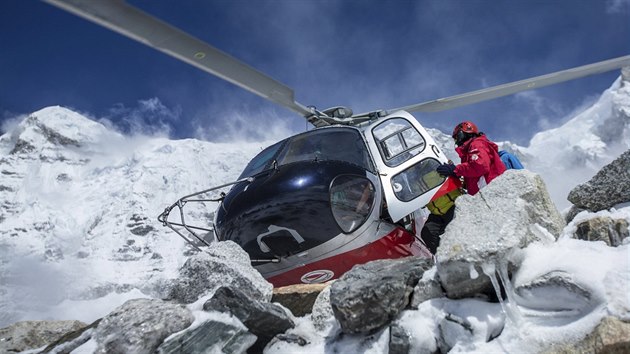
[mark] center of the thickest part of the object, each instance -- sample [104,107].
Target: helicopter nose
[295,208]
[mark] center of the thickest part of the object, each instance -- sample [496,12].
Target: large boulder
[222,264]
[24,335]
[371,295]
[610,186]
[140,325]
[491,226]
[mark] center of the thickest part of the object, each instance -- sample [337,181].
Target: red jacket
[480,163]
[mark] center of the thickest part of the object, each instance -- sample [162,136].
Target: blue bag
[510,161]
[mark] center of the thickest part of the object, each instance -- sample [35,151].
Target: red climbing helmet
[464,131]
[466,127]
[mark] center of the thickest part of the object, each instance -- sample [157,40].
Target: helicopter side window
[339,144]
[398,141]
[417,180]
[262,161]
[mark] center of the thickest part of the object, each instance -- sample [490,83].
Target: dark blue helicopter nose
[288,208]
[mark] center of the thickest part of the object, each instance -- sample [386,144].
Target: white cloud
[149,117]
[244,125]
[618,6]
[10,121]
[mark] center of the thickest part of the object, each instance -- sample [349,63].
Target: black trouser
[434,227]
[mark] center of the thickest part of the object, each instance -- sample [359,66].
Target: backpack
[510,161]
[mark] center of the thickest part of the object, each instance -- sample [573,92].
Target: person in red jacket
[480,160]
[480,164]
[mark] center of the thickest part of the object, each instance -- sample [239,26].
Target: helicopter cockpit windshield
[329,144]
[338,144]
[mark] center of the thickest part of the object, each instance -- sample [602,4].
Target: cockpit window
[339,144]
[398,141]
[262,161]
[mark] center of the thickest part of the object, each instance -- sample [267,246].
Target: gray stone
[371,295]
[322,315]
[71,340]
[399,340]
[556,292]
[299,298]
[610,186]
[453,329]
[210,337]
[507,215]
[25,335]
[611,231]
[222,264]
[611,336]
[428,288]
[265,320]
[140,325]
[572,213]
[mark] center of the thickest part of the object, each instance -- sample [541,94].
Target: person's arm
[478,163]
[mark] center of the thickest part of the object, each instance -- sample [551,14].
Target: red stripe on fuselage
[397,244]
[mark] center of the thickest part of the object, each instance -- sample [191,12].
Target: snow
[67,250]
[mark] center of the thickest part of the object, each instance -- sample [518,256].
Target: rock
[610,186]
[291,338]
[611,231]
[139,326]
[428,288]
[210,337]
[610,336]
[25,335]
[555,292]
[371,295]
[264,320]
[507,215]
[572,213]
[223,264]
[453,329]
[72,340]
[399,340]
[322,316]
[298,298]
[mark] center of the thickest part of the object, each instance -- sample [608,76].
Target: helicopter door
[406,157]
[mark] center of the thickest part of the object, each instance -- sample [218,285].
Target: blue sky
[359,53]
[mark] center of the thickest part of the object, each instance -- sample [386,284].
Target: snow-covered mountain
[79,202]
[79,205]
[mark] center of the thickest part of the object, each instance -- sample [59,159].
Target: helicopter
[309,207]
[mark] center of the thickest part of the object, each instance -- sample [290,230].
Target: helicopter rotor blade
[489,93]
[131,22]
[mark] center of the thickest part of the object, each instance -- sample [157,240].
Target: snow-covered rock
[224,264]
[371,295]
[140,326]
[491,226]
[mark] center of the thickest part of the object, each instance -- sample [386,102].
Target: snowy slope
[79,205]
[572,153]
